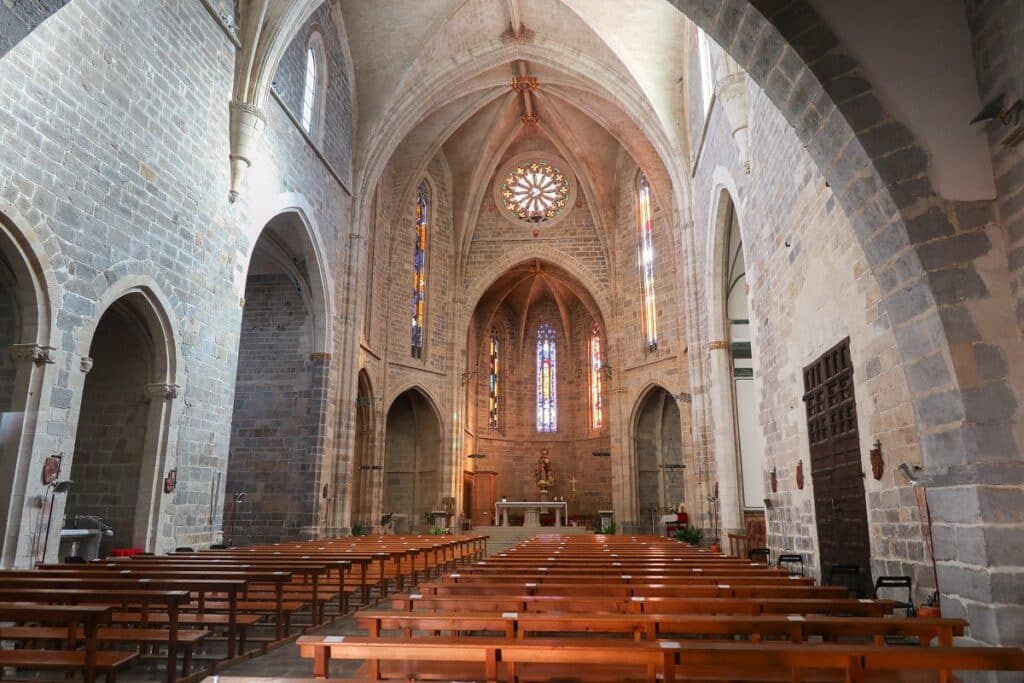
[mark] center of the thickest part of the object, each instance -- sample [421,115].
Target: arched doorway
[750,458]
[363,457]
[274,458]
[24,354]
[123,423]
[412,460]
[657,445]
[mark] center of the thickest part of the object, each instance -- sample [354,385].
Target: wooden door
[838,477]
[484,492]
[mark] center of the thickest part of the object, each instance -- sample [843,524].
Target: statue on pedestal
[544,474]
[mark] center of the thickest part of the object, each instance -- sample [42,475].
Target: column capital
[159,390]
[718,345]
[38,354]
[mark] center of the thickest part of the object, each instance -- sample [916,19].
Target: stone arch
[25,352]
[527,252]
[656,455]
[883,188]
[364,457]
[282,382]
[720,391]
[296,208]
[130,355]
[413,459]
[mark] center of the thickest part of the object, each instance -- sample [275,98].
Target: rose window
[535,191]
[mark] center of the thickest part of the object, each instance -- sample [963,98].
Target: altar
[531,511]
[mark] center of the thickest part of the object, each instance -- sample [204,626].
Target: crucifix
[572,482]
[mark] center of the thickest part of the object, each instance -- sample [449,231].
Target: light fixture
[997,109]
[910,473]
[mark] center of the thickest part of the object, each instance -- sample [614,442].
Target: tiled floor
[284,661]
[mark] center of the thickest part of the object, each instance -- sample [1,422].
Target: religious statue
[544,473]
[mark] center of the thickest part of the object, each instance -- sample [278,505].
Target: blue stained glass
[419,269]
[547,402]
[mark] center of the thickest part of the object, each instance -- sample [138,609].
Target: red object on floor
[682,518]
[125,552]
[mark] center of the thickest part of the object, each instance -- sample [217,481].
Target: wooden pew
[796,628]
[171,601]
[201,587]
[251,577]
[74,618]
[487,652]
[656,605]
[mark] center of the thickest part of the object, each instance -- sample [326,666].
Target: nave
[553,608]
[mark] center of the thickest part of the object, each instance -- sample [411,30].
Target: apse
[538,383]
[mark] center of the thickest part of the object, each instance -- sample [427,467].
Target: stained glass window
[419,268]
[309,90]
[707,73]
[596,369]
[494,383]
[547,406]
[645,254]
[535,191]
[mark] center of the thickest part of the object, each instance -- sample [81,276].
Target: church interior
[326,326]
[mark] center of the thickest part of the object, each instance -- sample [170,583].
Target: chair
[737,545]
[898,582]
[792,559]
[760,555]
[845,575]
[184,549]
[74,559]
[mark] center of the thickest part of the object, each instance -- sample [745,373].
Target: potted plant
[930,609]
[358,529]
[691,535]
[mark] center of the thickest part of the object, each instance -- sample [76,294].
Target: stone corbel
[731,91]
[85,364]
[247,124]
[38,354]
[161,391]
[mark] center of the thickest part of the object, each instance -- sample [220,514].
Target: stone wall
[21,17]
[334,132]
[809,289]
[114,141]
[112,428]
[269,458]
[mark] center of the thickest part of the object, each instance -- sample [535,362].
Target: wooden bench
[796,628]
[636,605]
[486,653]
[200,587]
[75,619]
[185,640]
[770,661]
[170,600]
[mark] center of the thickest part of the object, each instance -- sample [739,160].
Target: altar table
[531,511]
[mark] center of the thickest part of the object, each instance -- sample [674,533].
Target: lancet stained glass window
[645,257]
[494,383]
[419,268]
[547,404]
[309,90]
[596,369]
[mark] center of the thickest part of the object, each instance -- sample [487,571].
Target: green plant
[358,529]
[439,531]
[690,534]
[610,529]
